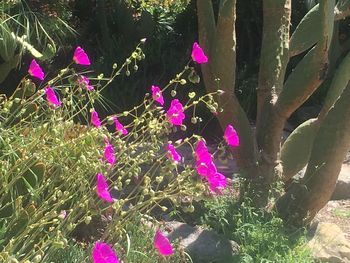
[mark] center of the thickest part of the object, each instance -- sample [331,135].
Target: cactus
[218,41]
[279,95]
[327,155]
[297,148]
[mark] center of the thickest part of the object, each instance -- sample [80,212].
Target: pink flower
[84,81]
[207,169]
[104,253]
[162,244]
[172,153]
[109,153]
[198,54]
[51,97]
[202,152]
[217,182]
[95,120]
[102,188]
[35,70]
[119,127]
[175,114]
[204,169]
[80,57]
[157,95]
[231,136]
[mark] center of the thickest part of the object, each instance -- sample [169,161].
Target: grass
[262,236]
[341,213]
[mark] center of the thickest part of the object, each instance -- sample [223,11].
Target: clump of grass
[262,236]
[341,213]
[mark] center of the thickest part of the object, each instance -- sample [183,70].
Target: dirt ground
[337,212]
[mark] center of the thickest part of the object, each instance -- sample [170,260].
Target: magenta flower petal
[202,152]
[205,169]
[35,70]
[162,244]
[95,120]
[80,57]
[84,81]
[109,154]
[175,113]
[198,54]
[51,97]
[217,182]
[157,95]
[104,253]
[172,153]
[119,127]
[102,188]
[231,136]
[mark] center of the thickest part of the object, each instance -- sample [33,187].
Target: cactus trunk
[304,199]
[219,42]
[262,160]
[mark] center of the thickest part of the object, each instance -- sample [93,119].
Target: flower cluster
[80,57]
[206,168]
[175,115]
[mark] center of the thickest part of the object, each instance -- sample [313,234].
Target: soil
[337,212]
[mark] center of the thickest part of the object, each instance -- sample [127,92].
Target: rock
[328,243]
[342,189]
[204,246]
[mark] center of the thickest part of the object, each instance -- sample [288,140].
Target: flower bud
[191,95]
[183,81]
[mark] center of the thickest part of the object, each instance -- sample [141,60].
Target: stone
[342,189]
[328,243]
[204,246]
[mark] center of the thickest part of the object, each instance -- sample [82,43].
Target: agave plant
[24,30]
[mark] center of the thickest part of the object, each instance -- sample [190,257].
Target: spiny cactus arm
[206,24]
[296,150]
[342,9]
[274,52]
[339,81]
[327,155]
[273,62]
[221,64]
[224,49]
[307,33]
[311,71]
